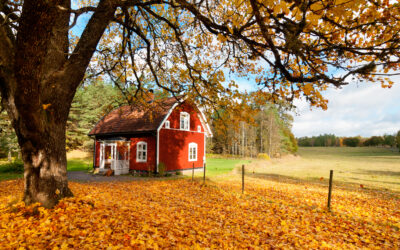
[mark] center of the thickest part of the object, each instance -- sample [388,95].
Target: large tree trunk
[41,108]
[37,85]
[45,167]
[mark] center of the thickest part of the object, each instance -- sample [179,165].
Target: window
[199,128]
[185,121]
[141,151]
[192,151]
[167,124]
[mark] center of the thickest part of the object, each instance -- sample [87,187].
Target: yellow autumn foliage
[181,214]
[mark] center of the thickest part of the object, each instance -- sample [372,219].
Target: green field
[218,166]
[73,164]
[79,165]
[7,172]
[377,168]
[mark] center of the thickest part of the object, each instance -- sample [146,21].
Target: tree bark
[37,85]
[45,168]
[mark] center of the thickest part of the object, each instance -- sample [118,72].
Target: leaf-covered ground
[180,214]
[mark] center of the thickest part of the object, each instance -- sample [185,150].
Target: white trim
[167,125]
[186,118]
[194,146]
[191,131]
[198,128]
[169,113]
[207,127]
[142,150]
[157,148]
[204,156]
[159,128]
[113,154]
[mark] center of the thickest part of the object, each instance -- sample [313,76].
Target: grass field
[10,176]
[77,161]
[218,166]
[6,173]
[371,167]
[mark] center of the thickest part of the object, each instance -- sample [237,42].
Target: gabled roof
[128,119]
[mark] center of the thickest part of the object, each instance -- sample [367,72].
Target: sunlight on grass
[79,161]
[79,165]
[219,166]
[370,167]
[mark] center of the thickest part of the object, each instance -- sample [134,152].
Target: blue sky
[364,109]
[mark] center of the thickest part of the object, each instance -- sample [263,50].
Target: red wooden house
[172,132]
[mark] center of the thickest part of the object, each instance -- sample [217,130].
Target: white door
[122,158]
[107,155]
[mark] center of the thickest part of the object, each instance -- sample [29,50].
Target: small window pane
[184,121]
[192,151]
[141,154]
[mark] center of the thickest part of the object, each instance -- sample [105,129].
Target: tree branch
[79,60]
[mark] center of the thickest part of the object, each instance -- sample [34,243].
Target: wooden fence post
[204,176]
[242,178]
[193,172]
[330,189]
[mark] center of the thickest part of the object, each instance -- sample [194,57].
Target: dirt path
[81,176]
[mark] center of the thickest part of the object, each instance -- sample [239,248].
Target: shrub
[12,167]
[88,146]
[150,171]
[178,173]
[374,141]
[263,156]
[161,169]
[351,141]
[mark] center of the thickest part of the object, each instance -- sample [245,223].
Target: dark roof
[134,119]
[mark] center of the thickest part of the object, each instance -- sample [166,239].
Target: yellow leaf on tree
[46,106]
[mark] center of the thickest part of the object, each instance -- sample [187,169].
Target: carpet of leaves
[181,214]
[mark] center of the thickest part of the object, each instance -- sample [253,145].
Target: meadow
[370,167]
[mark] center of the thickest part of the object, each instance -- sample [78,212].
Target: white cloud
[364,109]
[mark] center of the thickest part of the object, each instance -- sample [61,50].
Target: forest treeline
[90,103]
[253,128]
[242,129]
[330,140]
[261,130]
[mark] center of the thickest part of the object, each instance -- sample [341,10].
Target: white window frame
[193,151]
[139,150]
[186,121]
[166,124]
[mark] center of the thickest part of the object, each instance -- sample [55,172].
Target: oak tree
[293,48]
